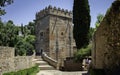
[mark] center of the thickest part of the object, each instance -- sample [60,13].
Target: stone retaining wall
[8,62]
[106,53]
[23,62]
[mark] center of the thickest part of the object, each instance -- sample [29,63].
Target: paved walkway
[56,72]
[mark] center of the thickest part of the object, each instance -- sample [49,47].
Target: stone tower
[54,33]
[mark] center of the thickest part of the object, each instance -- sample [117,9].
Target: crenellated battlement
[53,11]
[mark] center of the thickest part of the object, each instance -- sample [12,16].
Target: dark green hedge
[97,72]
[29,71]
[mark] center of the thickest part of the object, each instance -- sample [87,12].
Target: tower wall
[42,35]
[58,41]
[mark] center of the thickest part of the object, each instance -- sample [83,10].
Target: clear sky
[23,11]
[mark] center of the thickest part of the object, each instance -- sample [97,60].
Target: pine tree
[81,20]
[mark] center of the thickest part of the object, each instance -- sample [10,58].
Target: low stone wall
[6,52]
[23,62]
[7,65]
[8,62]
[6,59]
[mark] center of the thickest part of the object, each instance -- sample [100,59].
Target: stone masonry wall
[23,62]
[6,59]
[106,53]
[42,35]
[8,62]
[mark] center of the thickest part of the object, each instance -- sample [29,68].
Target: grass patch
[29,71]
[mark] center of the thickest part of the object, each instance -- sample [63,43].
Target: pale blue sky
[23,11]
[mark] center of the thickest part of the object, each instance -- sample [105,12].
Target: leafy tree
[8,34]
[22,29]
[91,33]
[92,30]
[4,3]
[25,46]
[29,49]
[20,48]
[83,52]
[28,29]
[81,20]
[30,39]
[30,26]
[1,32]
[99,20]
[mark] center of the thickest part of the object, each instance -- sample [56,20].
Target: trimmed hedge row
[29,71]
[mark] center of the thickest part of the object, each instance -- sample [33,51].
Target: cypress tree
[81,20]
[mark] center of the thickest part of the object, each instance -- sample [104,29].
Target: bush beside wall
[29,71]
[97,72]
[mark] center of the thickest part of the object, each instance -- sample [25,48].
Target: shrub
[97,72]
[29,71]
[10,73]
[83,52]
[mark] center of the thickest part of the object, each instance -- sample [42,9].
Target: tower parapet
[53,11]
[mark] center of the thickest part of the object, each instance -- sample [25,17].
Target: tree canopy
[10,36]
[8,33]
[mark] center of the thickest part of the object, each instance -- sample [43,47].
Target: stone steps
[38,58]
[43,65]
[46,67]
[41,62]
